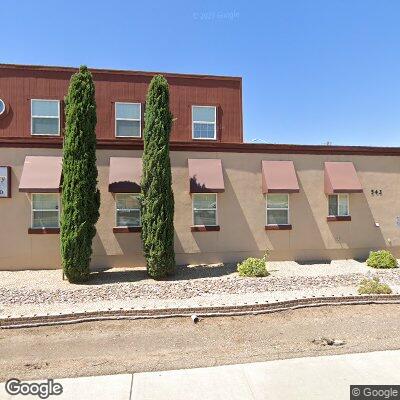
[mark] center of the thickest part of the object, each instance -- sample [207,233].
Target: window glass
[127,209]
[343,204]
[279,217]
[204,114]
[128,120]
[45,108]
[205,201]
[278,201]
[127,111]
[277,209]
[45,117]
[338,204]
[333,205]
[45,126]
[203,131]
[204,123]
[2,106]
[205,209]
[45,210]
[128,128]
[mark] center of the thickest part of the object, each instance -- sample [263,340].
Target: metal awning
[341,177]
[205,176]
[125,175]
[41,174]
[279,177]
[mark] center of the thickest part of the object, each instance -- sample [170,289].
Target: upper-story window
[128,120]
[204,122]
[45,117]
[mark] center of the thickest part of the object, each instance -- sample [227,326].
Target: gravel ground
[44,291]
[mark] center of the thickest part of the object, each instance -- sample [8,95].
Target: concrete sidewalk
[327,377]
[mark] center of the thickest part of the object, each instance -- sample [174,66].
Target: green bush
[373,286]
[381,259]
[253,267]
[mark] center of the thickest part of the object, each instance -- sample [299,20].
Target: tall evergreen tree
[157,199]
[80,196]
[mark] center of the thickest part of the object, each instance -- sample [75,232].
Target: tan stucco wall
[241,214]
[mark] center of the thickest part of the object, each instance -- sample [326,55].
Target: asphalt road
[110,347]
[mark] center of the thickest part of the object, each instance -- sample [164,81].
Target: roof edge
[214,147]
[55,68]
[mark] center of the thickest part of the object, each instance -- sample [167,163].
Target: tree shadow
[182,272]
[196,187]
[124,187]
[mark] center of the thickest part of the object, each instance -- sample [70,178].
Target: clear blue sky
[312,70]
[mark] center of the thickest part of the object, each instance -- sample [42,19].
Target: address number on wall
[5,182]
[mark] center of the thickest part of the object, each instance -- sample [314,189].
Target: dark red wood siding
[20,84]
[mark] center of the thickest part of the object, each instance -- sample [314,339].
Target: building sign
[5,182]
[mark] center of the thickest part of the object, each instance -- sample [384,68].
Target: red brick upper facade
[19,85]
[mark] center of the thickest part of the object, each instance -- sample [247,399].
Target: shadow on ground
[182,272]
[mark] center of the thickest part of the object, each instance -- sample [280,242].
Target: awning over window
[205,176]
[341,177]
[41,174]
[279,177]
[125,175]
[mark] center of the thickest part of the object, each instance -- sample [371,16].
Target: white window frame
[32,210]
[205,209]
[205,122]
[348,204]
[274,208]
[46,116]
[128,119]
[126,209]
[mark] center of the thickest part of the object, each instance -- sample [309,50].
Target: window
[205,209]
[127,209]
[45,210]
[2,107]
[45,117]
[339,205]
[128,120]
[204,122]
[277,209]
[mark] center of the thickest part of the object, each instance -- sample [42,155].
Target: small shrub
[253,267]
[373,286]
[381,259]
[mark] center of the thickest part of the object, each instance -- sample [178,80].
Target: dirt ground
[111,347]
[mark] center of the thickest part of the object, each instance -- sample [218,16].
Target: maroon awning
[41,174]
[341,177]
[125,175]
[279,177]
[205,176]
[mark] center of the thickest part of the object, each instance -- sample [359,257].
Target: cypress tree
[80,196]
[157,199]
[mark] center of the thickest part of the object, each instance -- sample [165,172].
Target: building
[232,199]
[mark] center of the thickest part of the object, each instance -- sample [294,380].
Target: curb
[250,309]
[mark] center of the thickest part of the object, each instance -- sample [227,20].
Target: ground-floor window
[338,205]
[205,209]
[277,209]
[127,209]
[45,210]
